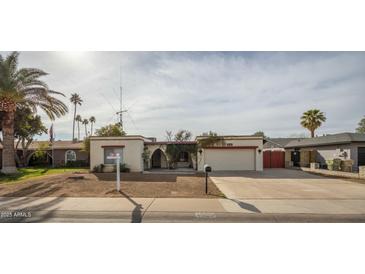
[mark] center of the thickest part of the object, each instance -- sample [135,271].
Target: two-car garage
[233,153]
[231,158]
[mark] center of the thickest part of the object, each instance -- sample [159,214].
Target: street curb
[182,217]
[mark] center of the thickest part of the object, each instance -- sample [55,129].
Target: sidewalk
[66,209]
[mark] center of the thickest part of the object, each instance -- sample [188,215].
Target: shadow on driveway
[246,206]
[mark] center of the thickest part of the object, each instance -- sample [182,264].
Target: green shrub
[100,168]
[78,163]
[124,168]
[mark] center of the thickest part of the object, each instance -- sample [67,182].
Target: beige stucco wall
[226,155]
[132,152]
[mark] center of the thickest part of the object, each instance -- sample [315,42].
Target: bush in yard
[124,168]
[77,163]
[100,168]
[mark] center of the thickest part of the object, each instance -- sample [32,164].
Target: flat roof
[232,137]
[127,137]
[172,143]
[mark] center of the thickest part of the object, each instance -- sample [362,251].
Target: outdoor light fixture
[259,150]
[200,151]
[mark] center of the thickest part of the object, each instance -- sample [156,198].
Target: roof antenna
[120,112]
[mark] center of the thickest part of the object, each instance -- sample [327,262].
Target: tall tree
[76,100]
[78,119]
[312,119]
[169,135]
[26,126]
[259,133]
[92,121]
[183,135]
[22,88]
[85,122]
[361,124]
[111,130]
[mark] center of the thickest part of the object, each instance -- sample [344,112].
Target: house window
[70,156]
[112,151]
[184,156]
[229,145]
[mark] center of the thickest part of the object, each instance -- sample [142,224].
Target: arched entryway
[158,159]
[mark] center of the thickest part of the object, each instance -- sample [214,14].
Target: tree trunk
[8,143]
[85,131]
[73,125]
[312,133]
[78,130]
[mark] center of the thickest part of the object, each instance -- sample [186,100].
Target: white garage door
[229,159]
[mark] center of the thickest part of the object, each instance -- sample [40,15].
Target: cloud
[228,92]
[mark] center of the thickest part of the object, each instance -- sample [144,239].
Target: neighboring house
[345,146]
[64,151]
[275,144]
[140,153]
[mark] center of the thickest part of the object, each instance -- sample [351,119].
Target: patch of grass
[27,173]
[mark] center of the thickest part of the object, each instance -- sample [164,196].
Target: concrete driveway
[291,191]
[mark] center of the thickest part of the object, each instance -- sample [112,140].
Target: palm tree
[76,100]
[21,87]
[312,119]
[92,120]
[78,119]
[85,122]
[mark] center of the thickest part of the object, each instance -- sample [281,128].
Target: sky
[226,92]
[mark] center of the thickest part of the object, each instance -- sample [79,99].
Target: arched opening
[158,159]
[39,158]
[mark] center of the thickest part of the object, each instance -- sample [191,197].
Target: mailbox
[207,168]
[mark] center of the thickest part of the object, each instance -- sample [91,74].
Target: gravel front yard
[66,185]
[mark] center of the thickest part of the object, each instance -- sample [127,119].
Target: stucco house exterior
[141,153]
[344,146]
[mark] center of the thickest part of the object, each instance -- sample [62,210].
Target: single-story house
[344,146]
[64,152]
[140,153]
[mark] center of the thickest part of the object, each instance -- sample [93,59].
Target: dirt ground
[88,185]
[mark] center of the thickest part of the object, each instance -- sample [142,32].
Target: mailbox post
[117,158]
[207,169]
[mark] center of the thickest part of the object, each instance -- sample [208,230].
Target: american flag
[51,134]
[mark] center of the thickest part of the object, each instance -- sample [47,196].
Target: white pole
[118,172]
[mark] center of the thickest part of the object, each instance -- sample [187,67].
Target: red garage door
[274,159]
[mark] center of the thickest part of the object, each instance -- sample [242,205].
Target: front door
[295,158]
[361,156]
[156,159]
